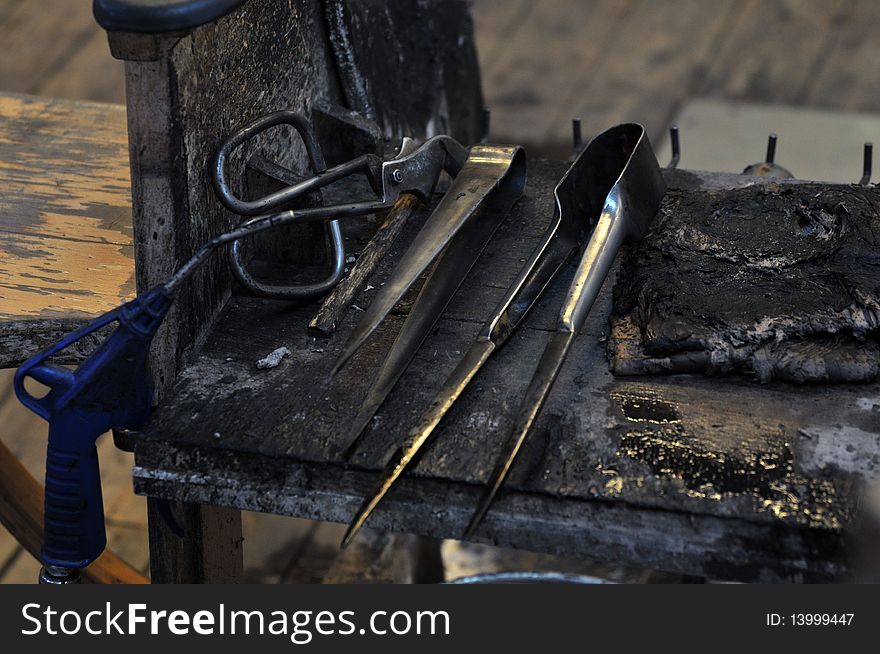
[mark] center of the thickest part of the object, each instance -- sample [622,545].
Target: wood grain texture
[731,458]
[772,50]
[65,219]
[21,512]
[38,39]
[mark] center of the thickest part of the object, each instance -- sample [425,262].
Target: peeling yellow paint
[65,212]
[50,277]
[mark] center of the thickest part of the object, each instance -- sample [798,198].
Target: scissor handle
[248,132]
[368,164]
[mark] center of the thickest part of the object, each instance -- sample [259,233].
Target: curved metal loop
[322,177]
[298,292]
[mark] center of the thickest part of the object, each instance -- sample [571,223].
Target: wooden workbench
[716,477]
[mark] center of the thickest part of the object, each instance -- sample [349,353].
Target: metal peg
[487,122]
[676,147]
[866,164]
[771,149]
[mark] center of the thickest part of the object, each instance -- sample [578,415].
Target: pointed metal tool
[496,180]
[623,194]
[675,144]
[578,202]
[491,180]
[867,161]
[568,231]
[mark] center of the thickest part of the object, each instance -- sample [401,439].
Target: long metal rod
[579,220]
[400,460]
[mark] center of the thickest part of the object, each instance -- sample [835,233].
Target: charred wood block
[774,281]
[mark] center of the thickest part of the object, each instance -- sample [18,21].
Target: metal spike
[455,385]
[867,162]
[676,147]
[577,137]
[771,149]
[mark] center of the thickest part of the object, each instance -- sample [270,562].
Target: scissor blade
[487,168]
[539,388]
[455,384]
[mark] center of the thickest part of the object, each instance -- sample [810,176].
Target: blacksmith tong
[610,194]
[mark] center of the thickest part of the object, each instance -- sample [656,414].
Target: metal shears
[414,169]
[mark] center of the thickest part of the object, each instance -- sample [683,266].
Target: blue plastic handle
[111,389]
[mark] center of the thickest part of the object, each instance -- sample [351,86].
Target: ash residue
[777,281]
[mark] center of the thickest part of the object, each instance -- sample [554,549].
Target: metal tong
[415,169]
[610,193]
[490,182]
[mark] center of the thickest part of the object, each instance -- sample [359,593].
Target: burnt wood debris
[776,282]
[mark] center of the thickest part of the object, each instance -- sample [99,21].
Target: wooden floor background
[543,63]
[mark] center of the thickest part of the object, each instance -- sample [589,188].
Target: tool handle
[74,511]
[596,261]
[55,377]
[366,164]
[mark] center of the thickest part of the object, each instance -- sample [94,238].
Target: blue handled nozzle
[111,389]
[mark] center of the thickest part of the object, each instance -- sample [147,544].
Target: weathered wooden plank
[707,546]
[649,66]
[847,76]
[65,219]
[773,50]
[210,551]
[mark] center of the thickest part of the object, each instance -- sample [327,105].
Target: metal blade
[492,172]
[454,386]
[539,388]
[452,268]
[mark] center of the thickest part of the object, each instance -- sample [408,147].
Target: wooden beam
[208,552]
[21,512]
